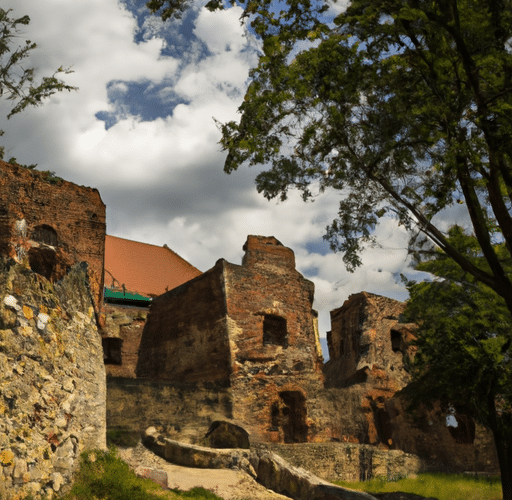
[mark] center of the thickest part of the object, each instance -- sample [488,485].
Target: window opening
[45,234]
[396,340]
[112,351]
[274,330]
[42,261]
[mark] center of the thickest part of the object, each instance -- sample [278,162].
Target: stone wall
[52,396]
[51,225]
[122,334]
[351,462]
[177,409]
[366,333]
[368,345]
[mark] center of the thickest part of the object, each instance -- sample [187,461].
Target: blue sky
[141,130]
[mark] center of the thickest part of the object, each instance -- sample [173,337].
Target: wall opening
[274,330]
[42,261]
[112,351]
[462,429]
[292,417]
[44,234]
[396,340]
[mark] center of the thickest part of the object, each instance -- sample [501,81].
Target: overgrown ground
[104,476]
[440,486]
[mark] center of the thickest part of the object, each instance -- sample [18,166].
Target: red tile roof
[145,269]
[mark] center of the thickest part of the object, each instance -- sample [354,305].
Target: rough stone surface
[266,467]
[52,399]
[51,226]
[351,462]
[368,341]
[368,345]
[178,409]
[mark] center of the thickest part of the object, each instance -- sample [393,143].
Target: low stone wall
[177,409]
[350,462]
[269,469]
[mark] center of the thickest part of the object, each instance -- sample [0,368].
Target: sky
[141,130]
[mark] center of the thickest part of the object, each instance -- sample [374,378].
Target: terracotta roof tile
[145,269]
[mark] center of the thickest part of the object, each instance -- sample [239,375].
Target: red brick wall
[75,213]
[268,284]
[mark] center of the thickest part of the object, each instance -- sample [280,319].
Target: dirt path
[227,484]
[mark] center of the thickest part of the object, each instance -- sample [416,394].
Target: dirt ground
[227,484]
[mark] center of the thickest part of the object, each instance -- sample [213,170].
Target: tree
[16,82]
[463,358]
[402,106]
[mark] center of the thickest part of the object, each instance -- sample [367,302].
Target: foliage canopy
[464,338]
[402,106]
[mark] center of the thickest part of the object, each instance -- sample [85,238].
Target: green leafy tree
[464,336]
[18,83]
[404,107]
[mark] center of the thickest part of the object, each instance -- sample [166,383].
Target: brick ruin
[369,344]
[238,342]
[52,225]
[250,328]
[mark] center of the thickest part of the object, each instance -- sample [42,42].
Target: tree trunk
[503,443]
[504,451]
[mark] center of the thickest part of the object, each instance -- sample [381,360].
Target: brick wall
[51,226]
[185,338]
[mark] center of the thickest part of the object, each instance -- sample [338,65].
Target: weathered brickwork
[368,344]
[51,226]
[275,353]
[185,338]
[250,326]
[367,339]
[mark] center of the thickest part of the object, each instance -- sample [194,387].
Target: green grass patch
[119,436]
[103,475]
[440,486]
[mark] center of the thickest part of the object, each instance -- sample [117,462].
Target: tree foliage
[463,340]
[17,83]
[404,107]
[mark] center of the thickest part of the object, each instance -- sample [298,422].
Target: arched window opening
[396,340]
[112,351]
[274,330]
[45,234]
[42,261]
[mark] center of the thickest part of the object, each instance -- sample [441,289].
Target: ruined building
[52,225]
[249,328]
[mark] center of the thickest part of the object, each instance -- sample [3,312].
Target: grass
[440,486]
[104,476]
